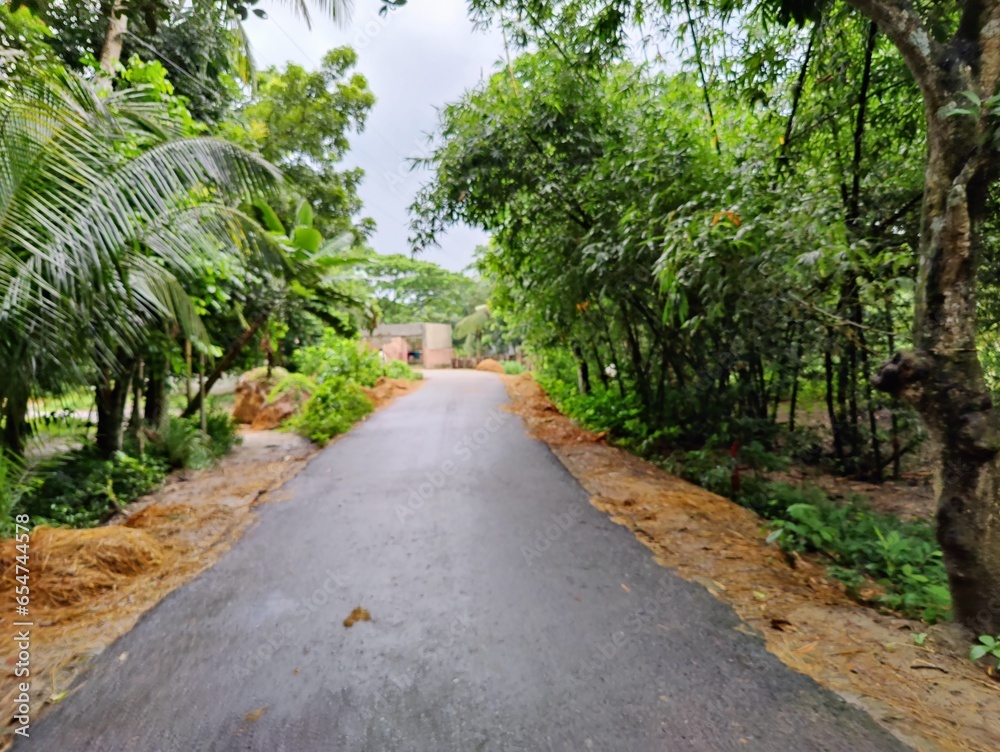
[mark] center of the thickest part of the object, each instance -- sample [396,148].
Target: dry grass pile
[386,390]
[490,365]
[71,566]
[930,695]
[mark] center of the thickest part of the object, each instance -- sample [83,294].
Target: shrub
[336,406]
[903,557]
[339,357]
[183,444]
[512,368]
[397,369]
[223,433]
[79,489]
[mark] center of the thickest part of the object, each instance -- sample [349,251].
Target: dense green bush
[397,369]
[903,557]
[336,406]
[183,444]
[338,357]
[512,368]
[223,433]
[78,489]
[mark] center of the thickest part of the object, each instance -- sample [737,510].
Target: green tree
[105,200]
[408,290]
[301,121]
[952,54]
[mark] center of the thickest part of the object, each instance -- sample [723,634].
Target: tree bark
[582,370]
[227,361]
[111,51]
[942,377]
[15,425]
[157,394]
[112,396]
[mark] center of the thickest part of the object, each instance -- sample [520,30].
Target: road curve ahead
[506,615]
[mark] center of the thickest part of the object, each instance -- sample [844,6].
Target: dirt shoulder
[930,696]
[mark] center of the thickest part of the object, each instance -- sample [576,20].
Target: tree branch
[923,54]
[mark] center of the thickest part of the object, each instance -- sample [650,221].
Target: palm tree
[101,200]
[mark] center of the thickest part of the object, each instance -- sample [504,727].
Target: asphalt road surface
[499,620]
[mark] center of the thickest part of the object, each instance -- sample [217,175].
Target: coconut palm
[101,201]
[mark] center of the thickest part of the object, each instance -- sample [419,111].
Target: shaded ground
[930,695]
[506,614]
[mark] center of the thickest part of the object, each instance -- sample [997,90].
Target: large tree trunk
[15,423]
[942,377]
[157,394]
[112,396]
[111,51]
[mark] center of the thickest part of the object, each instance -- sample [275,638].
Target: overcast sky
[415,59]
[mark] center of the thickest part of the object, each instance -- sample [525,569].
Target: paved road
[499,620]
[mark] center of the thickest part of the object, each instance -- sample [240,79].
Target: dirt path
[929,695]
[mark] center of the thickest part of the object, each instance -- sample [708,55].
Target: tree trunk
[942,377]
[111,52]
[15,424]
[582,370]
[157,394]
[112,396]
[227,361]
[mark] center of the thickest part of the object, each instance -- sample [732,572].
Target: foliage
[397,369]
[297,386]
[903,557]
[408,290]
[80,489]
[987,646]
[222,432]
[337,357]
[300,120]
[512,368]
[183,444]
[336,406]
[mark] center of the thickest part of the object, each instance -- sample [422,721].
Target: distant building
[427,345]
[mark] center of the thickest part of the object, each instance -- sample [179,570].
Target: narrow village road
[506,615]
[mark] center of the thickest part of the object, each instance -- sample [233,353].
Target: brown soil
[489,365]
[930,696]
[387,390]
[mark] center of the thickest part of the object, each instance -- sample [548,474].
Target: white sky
[415,59]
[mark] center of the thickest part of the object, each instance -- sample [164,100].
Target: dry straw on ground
[929,695]
[490,365]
